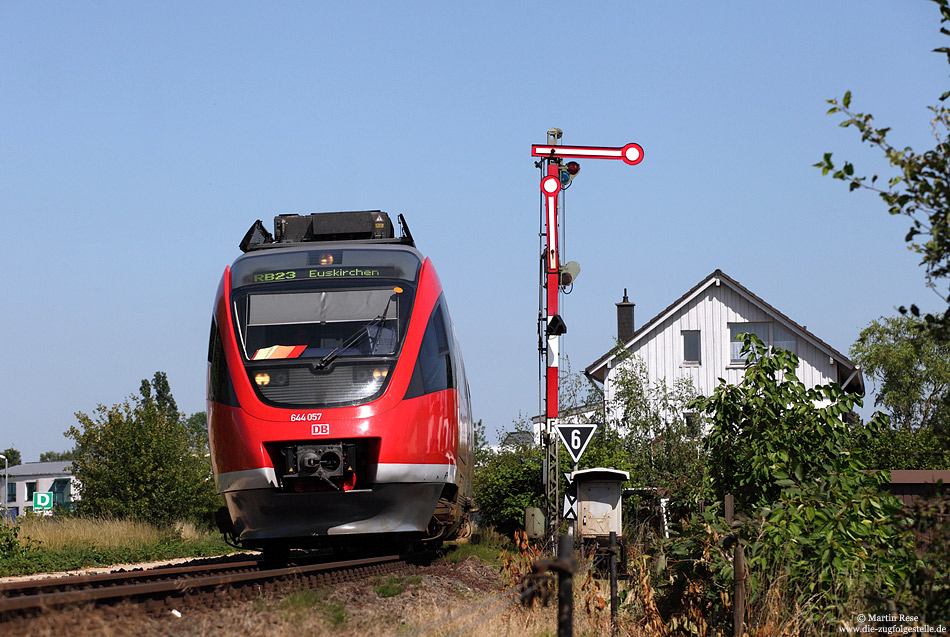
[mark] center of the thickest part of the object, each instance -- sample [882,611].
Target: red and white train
[338,408]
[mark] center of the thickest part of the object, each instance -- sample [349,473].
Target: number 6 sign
[576,438]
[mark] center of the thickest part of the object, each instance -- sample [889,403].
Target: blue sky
[140,141]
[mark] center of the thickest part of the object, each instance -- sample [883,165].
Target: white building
[696,338]
[26,479]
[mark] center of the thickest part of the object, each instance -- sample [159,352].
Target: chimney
[625,327]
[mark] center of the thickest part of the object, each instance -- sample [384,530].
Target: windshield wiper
[354,338]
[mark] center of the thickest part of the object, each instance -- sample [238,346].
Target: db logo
[322,429]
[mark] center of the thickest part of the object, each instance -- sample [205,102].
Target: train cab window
[434,368]
[326,347]
[314,324]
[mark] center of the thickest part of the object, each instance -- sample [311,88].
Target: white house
[23,480]
[696,338]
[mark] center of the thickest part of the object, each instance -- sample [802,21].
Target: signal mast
[557,176]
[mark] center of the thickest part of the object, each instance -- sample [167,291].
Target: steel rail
[40,601]
[22,586]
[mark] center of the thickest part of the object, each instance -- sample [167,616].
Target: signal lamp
[568,272]
[567,173]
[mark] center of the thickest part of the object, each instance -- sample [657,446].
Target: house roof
[57,468]
[854,380]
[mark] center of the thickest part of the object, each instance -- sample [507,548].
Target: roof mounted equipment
[365,226]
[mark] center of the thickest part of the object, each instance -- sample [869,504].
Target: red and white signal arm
[631,154]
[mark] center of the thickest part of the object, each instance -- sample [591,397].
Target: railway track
[183,587]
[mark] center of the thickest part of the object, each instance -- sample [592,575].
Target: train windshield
[324,324]
[322,327]
[322,348]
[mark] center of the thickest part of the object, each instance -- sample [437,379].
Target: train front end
[337,401]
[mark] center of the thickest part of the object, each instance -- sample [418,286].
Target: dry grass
[187,531]
[55,533]
[440,604]
[62,532]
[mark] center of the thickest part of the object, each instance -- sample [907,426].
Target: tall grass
[700,605]
[62,543]
[54,533]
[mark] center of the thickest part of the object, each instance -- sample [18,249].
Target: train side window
[220,388]
[434,369]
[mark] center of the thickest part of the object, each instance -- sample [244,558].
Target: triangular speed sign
[576,438]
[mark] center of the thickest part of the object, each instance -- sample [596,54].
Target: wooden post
[565,589]
[738,608]
[613,581]
[738,571]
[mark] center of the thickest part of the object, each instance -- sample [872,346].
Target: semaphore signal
[556,178]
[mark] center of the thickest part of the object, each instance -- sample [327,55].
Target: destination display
[333,272]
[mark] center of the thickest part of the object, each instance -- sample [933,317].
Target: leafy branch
[920,189]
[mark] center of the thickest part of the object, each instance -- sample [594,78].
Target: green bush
[926,589]
[792,462]
[11,546]
[142,460]
[506,483]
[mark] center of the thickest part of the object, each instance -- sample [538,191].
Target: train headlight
[379,374]
[262,379]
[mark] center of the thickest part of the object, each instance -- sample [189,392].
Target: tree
[660,444]
[911,369]
[509,481]
[919,191]
[13,456]
[137,459]
[163,395]
[770,431]
[581,402]
[480,446]
[798,473]
[892,448]
[197,426]
[57,456]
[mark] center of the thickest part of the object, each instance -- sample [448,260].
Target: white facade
[37,477]
[694,338]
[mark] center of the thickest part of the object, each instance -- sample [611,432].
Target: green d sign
[42,501]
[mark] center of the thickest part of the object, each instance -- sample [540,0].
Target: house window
[771,334]
[691,347]
[11,492]
[30,490]
[60,492]
[692,424]
[783,339]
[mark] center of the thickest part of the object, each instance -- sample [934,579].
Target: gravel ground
[441,599]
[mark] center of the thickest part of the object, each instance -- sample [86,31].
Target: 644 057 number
[310,417]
